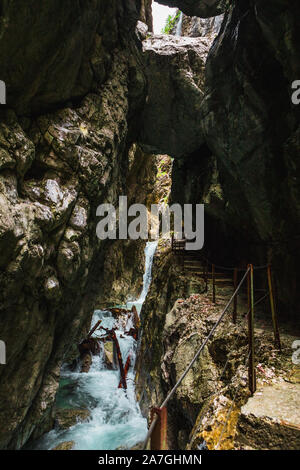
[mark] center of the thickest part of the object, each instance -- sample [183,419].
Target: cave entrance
[161,14]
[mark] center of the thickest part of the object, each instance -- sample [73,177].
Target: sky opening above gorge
[160,15]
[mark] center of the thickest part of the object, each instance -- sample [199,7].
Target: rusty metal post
[126,369]
[273,309]
[213,283]
[119,356]
[235,279]
[251,372]
[94,328]
[159,435]
[248,291]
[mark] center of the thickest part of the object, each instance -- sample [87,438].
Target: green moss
[170,23]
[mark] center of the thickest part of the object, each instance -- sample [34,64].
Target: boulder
[109,355]
[269,420]
[65,418]
[67,445]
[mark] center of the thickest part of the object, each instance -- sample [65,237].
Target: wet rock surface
[270,419]
[67,445]
[66,418]
[210,406]
[59,161]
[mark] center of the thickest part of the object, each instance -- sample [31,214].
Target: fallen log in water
[113,336]
[126,368]
[132,332]
[117,311]
[94,328]
[89,345]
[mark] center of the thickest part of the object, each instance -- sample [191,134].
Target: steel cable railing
[171,393]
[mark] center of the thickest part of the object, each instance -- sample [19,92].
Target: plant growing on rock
[170,23]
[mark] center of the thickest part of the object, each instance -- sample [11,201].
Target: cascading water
[179,25]
[115,418]
[149,254]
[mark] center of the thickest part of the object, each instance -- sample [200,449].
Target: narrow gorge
[97,106]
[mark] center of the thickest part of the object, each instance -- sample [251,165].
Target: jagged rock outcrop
[193,26]
[65,418]
[175,71]
[67,445]
[148,182]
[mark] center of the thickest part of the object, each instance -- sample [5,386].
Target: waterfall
[115,417]
[149,254]
[179,25]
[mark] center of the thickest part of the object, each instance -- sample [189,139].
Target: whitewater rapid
[115,417]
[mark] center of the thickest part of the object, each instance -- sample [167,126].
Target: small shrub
[170,23]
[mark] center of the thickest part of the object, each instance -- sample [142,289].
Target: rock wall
[175,72]
[193,26]
[171,283]
[242,161]
[241,113]
[73,86]
[121,275]
[174,325]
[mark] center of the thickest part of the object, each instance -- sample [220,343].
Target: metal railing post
[235,278]
[171,393]
[251,372]
[158,438]
[273,309]
[213,284]
[248,290]
[206,277]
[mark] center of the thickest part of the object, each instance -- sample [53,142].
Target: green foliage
[170,23]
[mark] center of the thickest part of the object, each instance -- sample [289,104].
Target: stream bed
[115,418]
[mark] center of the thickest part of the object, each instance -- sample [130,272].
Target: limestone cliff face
[62,154]
[84,83]
[171,283]
[242,161]
[174,325]
[252,127]
[175,72]
[243,130]
[193,26]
